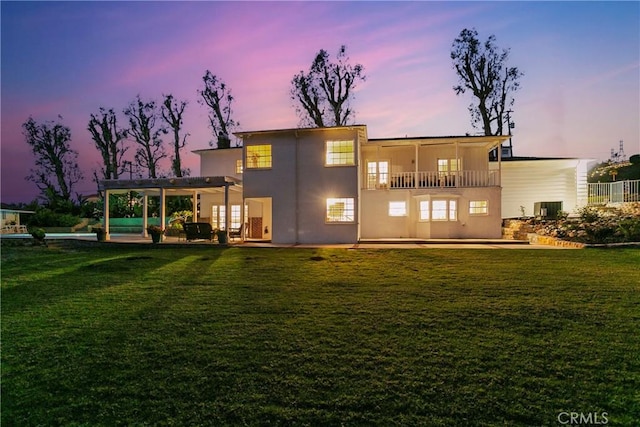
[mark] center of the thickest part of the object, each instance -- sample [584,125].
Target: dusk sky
[579,95]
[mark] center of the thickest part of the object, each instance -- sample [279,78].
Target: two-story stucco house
[335,185]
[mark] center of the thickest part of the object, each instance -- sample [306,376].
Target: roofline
[293,130]
[182,182]
[535,159]
[462,138]
[16,210]
[205,150]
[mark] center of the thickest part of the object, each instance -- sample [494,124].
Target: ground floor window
[219,217]
[438,210]
[397,208]
[424,210]
[478,207]
[341,209]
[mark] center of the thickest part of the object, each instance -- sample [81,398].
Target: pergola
[163,187]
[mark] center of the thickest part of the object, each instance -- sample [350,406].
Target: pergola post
[227,210]
[105,211]
[162,210]
[145,215]
[194,205]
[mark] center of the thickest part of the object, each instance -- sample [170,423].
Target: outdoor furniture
[235,232]
[198,231]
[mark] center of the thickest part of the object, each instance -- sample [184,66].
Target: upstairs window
[448,165]
[340,210]
[258,156]
[340,153]
[377,174]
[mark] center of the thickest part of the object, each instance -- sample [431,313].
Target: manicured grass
[212,336]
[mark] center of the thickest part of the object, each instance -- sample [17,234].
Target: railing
[614,192]
[431,179]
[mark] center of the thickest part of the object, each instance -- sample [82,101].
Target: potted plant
[222,236]
[156,232]
[101,235]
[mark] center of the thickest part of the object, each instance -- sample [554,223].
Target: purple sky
[580,94]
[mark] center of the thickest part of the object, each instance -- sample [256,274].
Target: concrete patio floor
[128,238]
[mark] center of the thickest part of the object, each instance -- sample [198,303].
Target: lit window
[340,210]
[478,207]
[340,153]
[424,210]
[238,166]
[397,209]
[453,210]
[258,156]
[219,217]
[377,174]
[439,210]
[235,216]
[448,165]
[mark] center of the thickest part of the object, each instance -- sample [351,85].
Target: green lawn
[212,336]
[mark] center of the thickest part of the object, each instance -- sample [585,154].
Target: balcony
[433,179]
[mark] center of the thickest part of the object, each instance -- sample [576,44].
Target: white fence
[614,192]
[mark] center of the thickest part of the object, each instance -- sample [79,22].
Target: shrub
[47,218]
[630,229]
[589,214]
[38,234]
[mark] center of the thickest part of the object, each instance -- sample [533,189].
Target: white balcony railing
[431,179]
[614,192]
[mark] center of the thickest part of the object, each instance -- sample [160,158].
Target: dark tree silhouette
[142,122]
[482,69]
[109,140]
[56,168]
[217,96]
[172,111]
[322,96]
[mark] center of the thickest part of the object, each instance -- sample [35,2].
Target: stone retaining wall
[516,229]
[536,239]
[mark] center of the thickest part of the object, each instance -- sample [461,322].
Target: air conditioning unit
[547,210]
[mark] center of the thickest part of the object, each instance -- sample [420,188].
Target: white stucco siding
[317,182]
[527,182]
[377,223]
[299,183]
[220,162]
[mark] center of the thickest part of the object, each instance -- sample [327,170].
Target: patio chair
[236,232]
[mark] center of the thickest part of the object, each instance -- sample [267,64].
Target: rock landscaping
[592,225]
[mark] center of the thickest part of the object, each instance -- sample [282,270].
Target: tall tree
[217,96]
[322,96]
[56,169]
[142,127]
[482,68]
[172,111]
[109,140]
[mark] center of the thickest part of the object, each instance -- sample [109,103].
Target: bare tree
[482,69]
[218,98]
[142,122]
[109,140]
[322,96]
[172,111]
[56,169]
